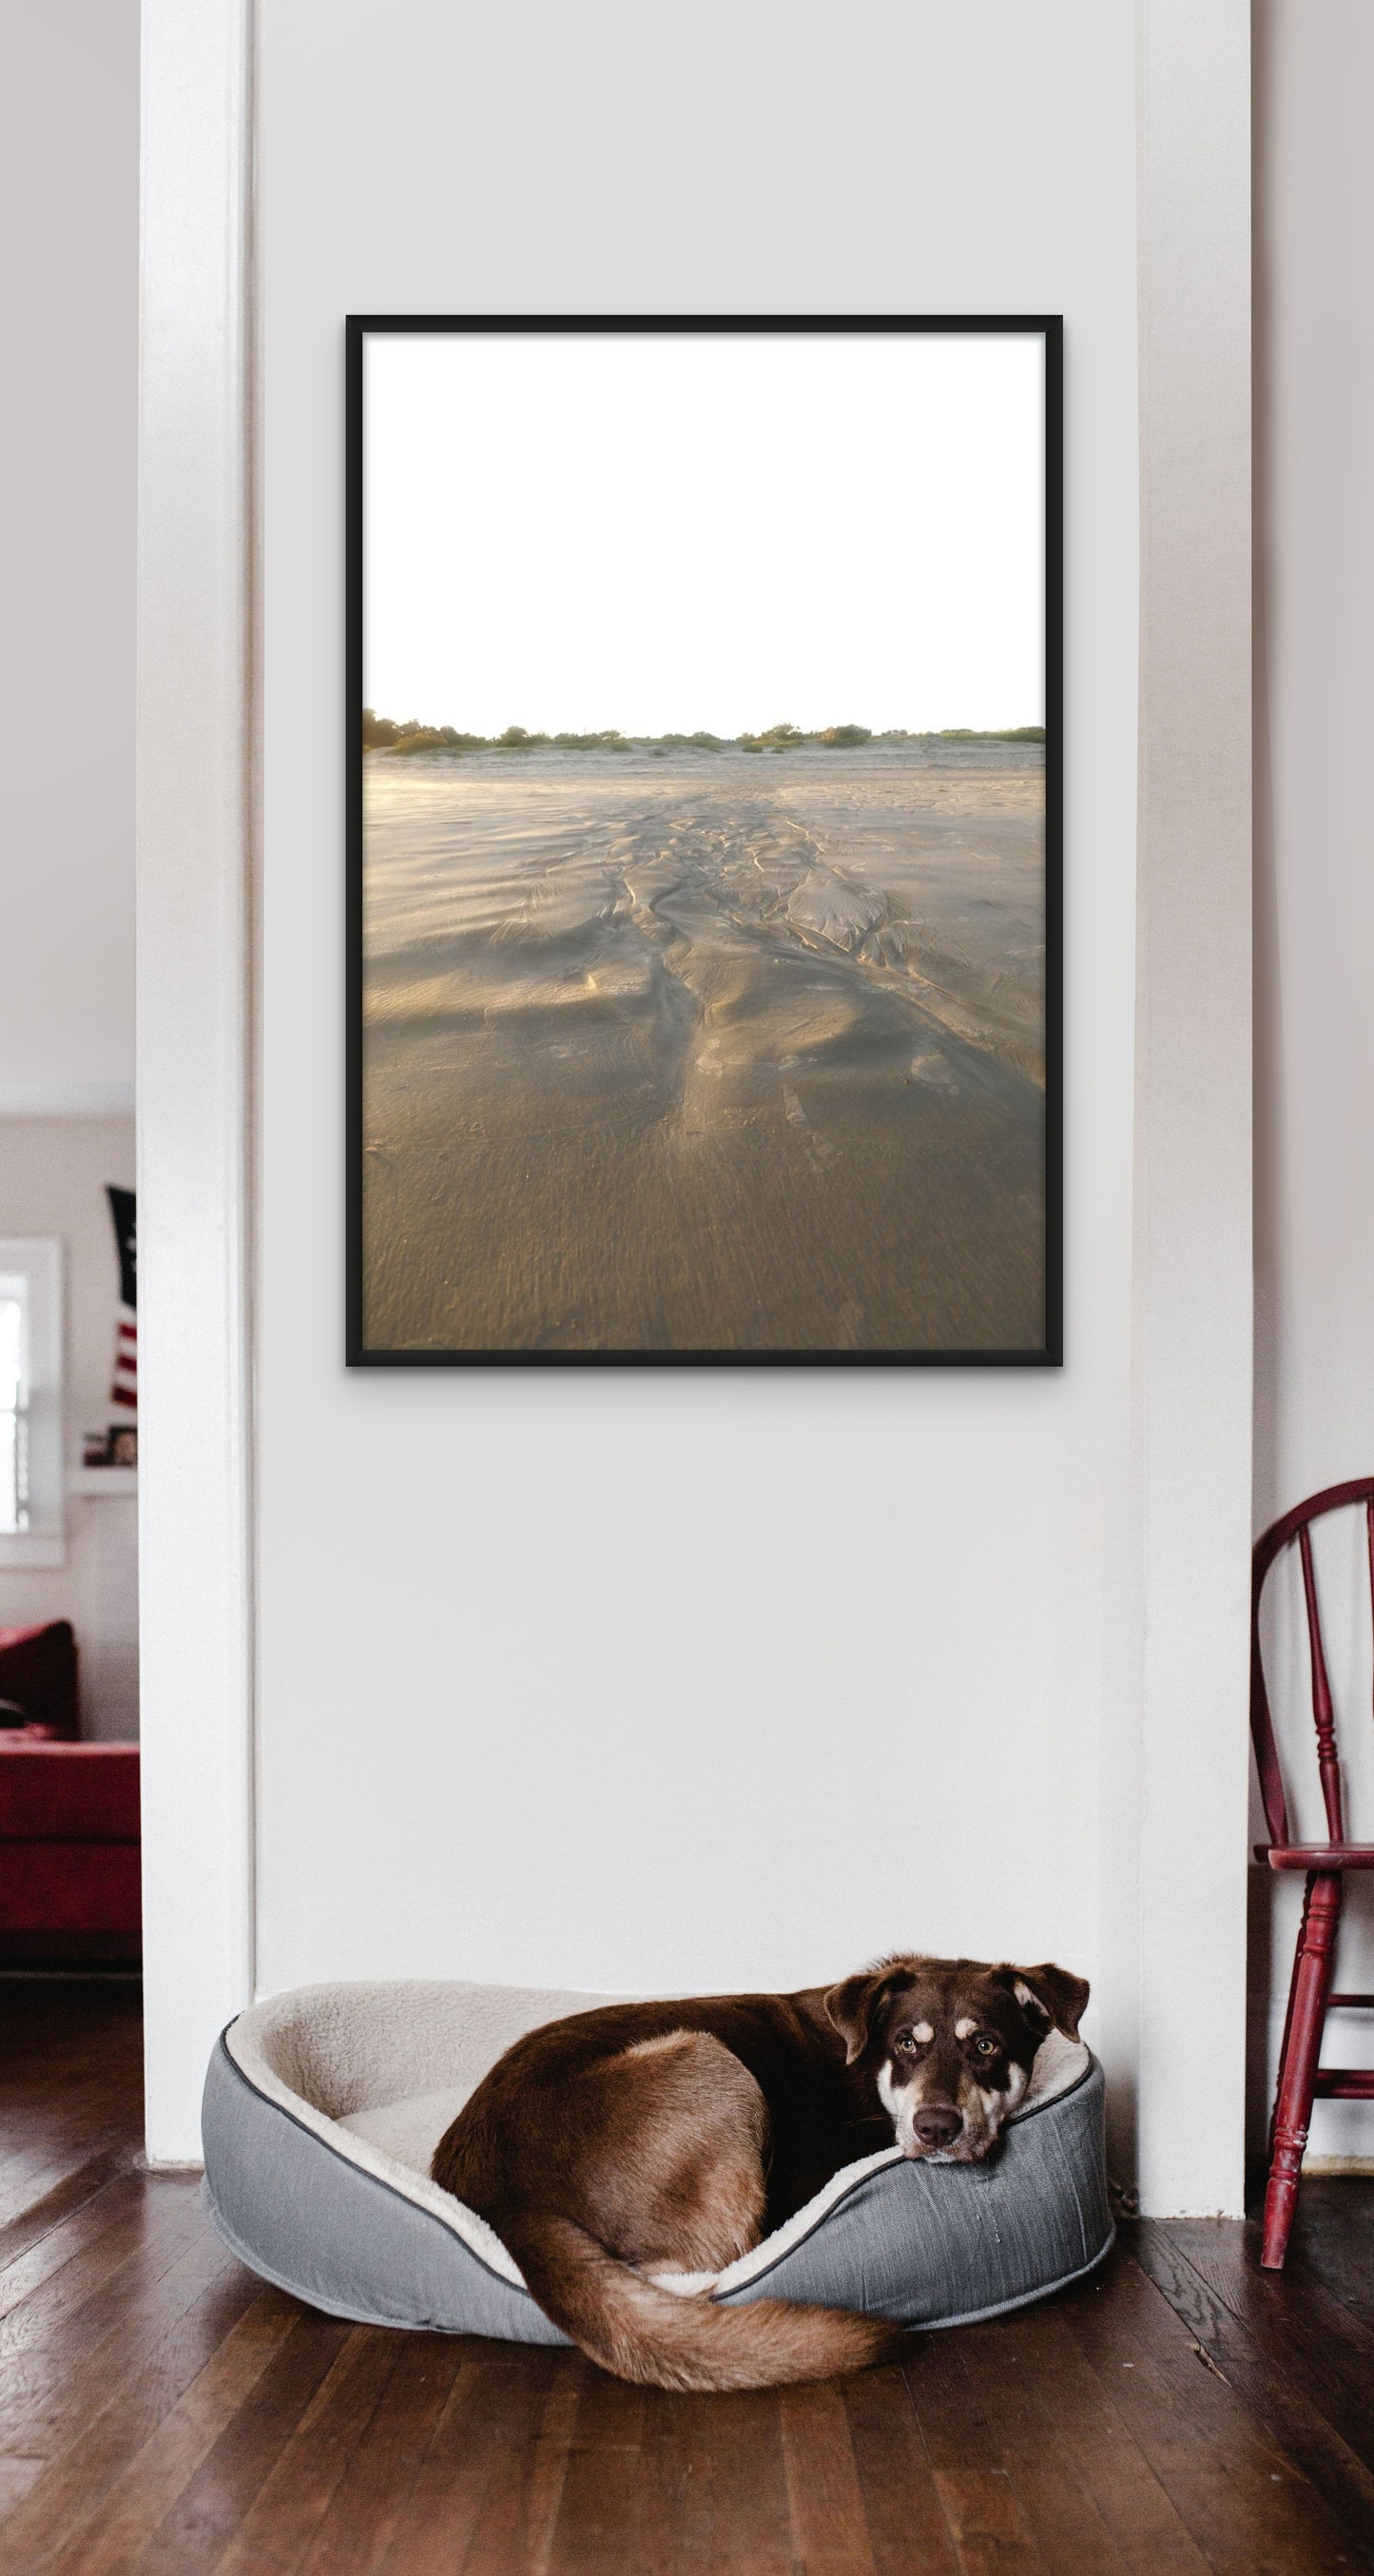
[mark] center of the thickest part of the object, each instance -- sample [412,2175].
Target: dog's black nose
[936,2125]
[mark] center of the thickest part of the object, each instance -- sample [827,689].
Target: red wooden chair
[1301,2078]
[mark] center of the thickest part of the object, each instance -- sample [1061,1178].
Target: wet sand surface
[717,1051]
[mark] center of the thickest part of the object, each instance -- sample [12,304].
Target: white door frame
[195,1055]
[1173,1820]
[1176,1862]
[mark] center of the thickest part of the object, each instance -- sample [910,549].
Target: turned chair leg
[1287,2026]
[1313,1969]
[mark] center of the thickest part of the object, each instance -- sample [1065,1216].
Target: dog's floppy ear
[853,2004]
[1051,1996]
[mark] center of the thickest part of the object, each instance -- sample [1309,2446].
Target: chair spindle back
[1298,1524]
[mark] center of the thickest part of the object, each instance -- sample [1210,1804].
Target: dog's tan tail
[666,2340]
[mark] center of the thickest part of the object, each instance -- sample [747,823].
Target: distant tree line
[408,734]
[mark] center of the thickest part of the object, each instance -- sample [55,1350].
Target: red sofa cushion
[68,1793]
[70,1887]
[38,1669]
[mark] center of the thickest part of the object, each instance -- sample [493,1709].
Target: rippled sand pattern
[713,1052]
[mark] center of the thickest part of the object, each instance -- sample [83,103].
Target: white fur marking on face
[923,2031]
[965,2027]
[899,2104]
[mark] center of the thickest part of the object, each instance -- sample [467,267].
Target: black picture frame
[1049,1353]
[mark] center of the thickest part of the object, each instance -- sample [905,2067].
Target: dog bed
[324,2106]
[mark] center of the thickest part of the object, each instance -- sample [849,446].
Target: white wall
[53,1177]
[1314,1417]
[69,213]
[668,1680]
[653,1680]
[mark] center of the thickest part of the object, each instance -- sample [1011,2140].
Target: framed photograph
[704,762]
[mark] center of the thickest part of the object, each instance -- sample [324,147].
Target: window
[14,1444]
[31,1514]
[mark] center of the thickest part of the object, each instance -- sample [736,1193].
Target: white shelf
[102,1480]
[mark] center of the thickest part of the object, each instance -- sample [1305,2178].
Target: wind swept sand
[718,1051]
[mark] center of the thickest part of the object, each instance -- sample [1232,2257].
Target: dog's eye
[908,2045]
[985,2047]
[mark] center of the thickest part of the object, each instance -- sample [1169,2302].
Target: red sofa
[69,1814]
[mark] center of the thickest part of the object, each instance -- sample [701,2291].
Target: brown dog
[673,2136]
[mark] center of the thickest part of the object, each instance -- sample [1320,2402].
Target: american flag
[124,1387]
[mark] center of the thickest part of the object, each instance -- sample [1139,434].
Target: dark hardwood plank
[985,2516]
[1304,2394]
[717,2485]
[1060,2512]
[362,2520]
[549,2467]
[1333,2239]
[829,2528]
[50,2185]
[514,2521]
[99,2317]
[1245,2504]
[1291,2317]
[284,2518]
[17,2476]
[147,2382]
[906,2520]
[1143,2526]
[109,2538]
[679,2506]
[194,2534]
[113,2219]
[469,2501]
[71,2187]
[601,2522]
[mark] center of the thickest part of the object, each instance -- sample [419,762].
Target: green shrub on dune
[968,733]
[440,738]
[385,733]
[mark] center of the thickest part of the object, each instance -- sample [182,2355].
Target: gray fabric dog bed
[324,2106]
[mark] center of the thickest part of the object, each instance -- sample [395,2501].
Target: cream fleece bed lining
[333,2057]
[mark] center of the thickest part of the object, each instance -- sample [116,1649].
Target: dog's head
[950,2044]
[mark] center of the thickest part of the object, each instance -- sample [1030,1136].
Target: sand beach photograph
[702,846]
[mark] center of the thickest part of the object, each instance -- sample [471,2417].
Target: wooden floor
[161,2410]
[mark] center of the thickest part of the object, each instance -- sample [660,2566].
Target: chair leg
[1287,2025]
[1313,1969]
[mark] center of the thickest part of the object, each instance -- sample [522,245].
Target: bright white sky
[663,532]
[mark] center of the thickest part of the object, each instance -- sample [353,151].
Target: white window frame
[34,1262]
